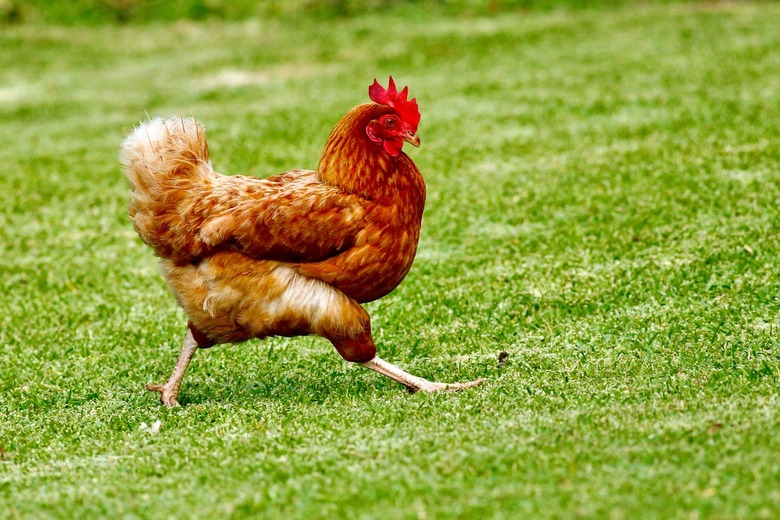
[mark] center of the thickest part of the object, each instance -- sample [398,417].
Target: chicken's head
[399,123]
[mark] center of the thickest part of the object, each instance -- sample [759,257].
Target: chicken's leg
[170,390]
[414,383]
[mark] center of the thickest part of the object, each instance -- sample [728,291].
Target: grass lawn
[603,206]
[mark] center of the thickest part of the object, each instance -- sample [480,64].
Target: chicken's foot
[170,390]
[414,383]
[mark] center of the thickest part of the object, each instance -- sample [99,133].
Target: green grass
[143,11]
[603,194]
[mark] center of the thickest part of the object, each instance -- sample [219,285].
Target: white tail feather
[166,161]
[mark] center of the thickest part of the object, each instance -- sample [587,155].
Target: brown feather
[288,255]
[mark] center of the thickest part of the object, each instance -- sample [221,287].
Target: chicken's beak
[412,139]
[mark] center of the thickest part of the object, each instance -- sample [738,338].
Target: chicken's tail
[167,163]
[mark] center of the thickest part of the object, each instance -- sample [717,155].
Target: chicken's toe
[167,394]
[434,386]
[414,383]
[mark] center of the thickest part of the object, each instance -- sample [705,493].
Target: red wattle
[393,147]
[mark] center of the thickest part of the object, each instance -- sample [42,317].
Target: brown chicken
[290,255]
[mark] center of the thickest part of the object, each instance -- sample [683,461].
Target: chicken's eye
[390,122]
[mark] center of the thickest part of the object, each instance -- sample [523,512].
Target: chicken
[294,254]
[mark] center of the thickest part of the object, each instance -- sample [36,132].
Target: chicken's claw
[430,387]
[170,390]
[167,394]
[414,383]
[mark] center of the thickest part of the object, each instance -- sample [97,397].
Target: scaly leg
[414,383]
[170,390]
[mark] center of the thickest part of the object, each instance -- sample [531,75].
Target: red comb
[407,109]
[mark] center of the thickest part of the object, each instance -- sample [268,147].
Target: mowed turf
[603,194]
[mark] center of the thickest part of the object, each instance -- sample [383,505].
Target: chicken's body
[289,255]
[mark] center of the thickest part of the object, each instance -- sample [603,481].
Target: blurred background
[603,187]
[140,11]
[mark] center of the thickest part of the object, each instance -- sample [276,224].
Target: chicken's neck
[357,165]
